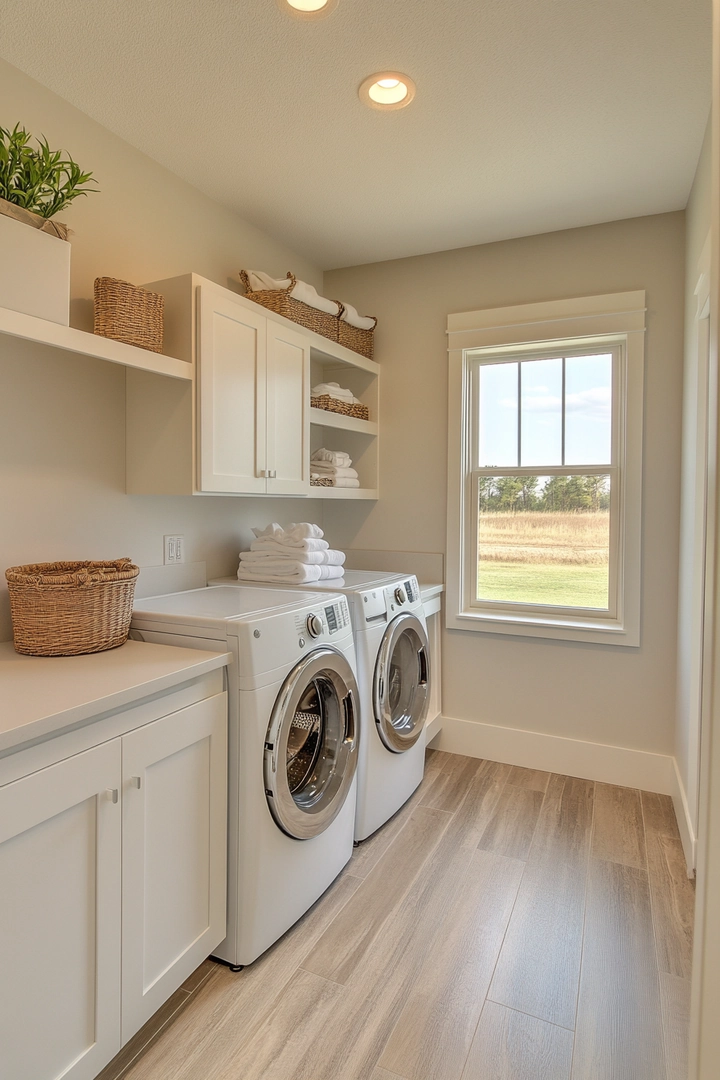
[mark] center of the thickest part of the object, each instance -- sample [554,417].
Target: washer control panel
[329,619]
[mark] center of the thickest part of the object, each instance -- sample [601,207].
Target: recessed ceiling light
[307,9]
[387,90]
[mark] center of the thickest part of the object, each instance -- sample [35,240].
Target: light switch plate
[173,549]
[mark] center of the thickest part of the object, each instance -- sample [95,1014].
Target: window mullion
[562,415]
[519,415]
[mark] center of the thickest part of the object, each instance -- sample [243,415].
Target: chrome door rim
[332,667]
[394,739]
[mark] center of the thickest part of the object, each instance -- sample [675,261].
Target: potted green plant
[36,183]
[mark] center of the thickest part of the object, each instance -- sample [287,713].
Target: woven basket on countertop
[280,301]
[70,608]
[331,404]
[126,313]
[360,341]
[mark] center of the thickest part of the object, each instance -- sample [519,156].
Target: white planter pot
[34,272]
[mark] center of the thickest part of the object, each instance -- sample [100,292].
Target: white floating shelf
[325,418]
[343,493]
[28,328]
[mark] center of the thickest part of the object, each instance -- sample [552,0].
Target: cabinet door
[288,399]
[231,373]
[174,853]
[60,918]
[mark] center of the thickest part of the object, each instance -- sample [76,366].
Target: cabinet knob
[112,794]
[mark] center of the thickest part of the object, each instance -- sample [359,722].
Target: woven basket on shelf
[279,301]
[69,608]
[126,313]
[360,341]
[322,481]
[330,404]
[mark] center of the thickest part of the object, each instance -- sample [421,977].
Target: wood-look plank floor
[507,924]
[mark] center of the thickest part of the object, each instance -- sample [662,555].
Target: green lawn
[569,586]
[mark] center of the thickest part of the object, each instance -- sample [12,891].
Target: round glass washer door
[402,683]
[311,744]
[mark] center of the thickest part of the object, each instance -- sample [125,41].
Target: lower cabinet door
[174,853]
[60,836]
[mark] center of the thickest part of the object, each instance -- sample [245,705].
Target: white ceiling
[530,115]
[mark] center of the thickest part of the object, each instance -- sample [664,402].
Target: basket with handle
[352,337]
[127,313]
[71,608]
[280,301]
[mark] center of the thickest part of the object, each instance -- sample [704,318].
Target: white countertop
[41,695]
[428,592]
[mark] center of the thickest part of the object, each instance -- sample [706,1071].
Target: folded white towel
[287,572]
[337,481]
[300,547]
[303,537]
[282,551]
[259,281]
[334,390]
[331,457]
[362,322]
[332,470]
[309,295]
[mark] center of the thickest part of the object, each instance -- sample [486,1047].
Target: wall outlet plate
[173,549]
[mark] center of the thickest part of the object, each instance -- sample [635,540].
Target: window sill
[599,632]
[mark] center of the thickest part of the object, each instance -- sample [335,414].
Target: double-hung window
[545,469]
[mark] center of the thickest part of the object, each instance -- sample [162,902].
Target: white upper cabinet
[232,394]
[244,425]
[288,402]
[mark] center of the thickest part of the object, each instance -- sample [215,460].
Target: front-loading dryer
[293,745]
[394,680]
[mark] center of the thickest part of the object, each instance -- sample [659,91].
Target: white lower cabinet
[173,854]
[112,889]
[60,836]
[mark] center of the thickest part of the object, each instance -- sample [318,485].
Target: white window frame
[615,322]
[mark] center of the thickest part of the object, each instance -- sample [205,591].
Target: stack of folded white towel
[333,465]
[294,556]
[336,391]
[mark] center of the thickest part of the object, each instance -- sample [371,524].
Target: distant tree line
[560,494]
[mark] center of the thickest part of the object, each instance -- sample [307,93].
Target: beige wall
[62,434]
[624,697]
[691,596]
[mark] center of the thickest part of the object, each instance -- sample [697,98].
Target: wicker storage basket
[69,608]
[322,481]
[330,404]
[279,301]
[125,313]
[360,341]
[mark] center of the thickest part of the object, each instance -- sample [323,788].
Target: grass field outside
[559,559]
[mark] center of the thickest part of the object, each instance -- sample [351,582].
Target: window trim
[585,321]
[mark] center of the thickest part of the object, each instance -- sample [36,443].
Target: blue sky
[588,403]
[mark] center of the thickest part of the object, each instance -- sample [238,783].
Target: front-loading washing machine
[394,679]
[293,745]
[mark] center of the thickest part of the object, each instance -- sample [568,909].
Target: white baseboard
[553,753]
[684,820]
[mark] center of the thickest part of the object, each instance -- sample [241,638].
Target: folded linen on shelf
[259,281]
[329,557]
[331,457]
[337,481]
[335,391]
[332,470]
[308,294]
[287,571]
[362,322]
